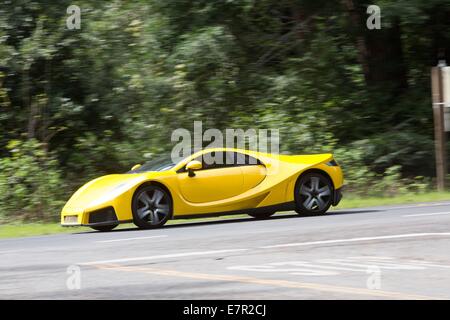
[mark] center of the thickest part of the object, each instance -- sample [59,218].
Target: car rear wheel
[152,207]
[262,215]
[105,228]
[313,194]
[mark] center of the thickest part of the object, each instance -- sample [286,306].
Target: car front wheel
[152,207]
[313,194]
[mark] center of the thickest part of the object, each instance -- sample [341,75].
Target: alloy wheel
[151,207]
[314,194]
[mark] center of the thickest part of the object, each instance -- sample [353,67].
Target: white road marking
[308,268]
[164,256]
[429,264]
[420,205]
[336,266]
[364,264]
[397,236]
[129,239]
[10,251]
[297,268]
[425,214]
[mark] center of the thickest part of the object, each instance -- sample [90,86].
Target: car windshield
[161,163]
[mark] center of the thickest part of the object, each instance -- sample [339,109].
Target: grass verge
[358,202]
[14,230]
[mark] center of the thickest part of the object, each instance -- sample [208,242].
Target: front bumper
[337,196]
[102,217]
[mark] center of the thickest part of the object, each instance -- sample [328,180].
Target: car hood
[105,188]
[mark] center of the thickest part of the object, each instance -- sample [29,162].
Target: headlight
[332,163]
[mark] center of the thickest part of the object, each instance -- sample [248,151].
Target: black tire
[313,194]
[151,207]
[262,215]
[105,228]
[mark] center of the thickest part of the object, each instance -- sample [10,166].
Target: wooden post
[439,130]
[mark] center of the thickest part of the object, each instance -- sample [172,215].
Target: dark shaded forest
[76,104]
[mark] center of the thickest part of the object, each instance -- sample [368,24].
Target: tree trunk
[379,51]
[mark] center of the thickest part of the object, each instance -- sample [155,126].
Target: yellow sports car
[211,182]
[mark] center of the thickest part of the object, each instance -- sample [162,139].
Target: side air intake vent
[102,215]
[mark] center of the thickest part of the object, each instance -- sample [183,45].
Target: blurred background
[76,104]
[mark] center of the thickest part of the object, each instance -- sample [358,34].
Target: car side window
[241,159]
[220,159]
[213,160]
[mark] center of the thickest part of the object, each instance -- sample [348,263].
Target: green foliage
[31,186]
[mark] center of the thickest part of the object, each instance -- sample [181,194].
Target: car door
[215,181]
[253,171]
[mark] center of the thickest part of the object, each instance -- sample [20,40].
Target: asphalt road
[395,252]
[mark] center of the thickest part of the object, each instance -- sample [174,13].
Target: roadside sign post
[446,96]
[440,84]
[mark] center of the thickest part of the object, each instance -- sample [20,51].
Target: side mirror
[192,166]
[136,166]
